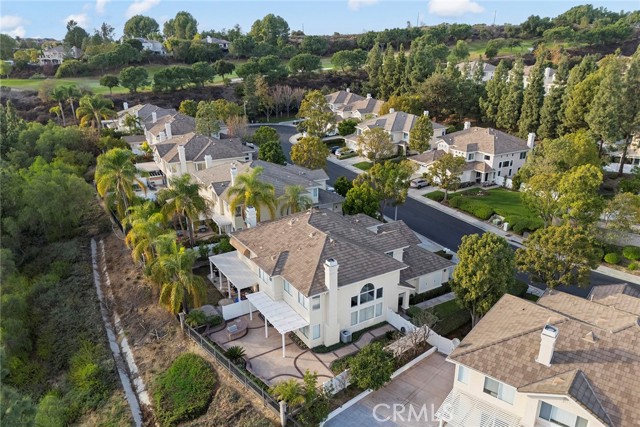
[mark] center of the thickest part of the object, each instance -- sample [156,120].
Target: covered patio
[223,223]
[278,313]
[460,409]
[236,273]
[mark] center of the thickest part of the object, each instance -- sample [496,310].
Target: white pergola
[461,410]
[237,272]
[278,313]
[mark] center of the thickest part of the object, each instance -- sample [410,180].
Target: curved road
[432,223]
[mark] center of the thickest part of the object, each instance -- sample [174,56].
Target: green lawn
[365,166]
[446,309]
[477,48]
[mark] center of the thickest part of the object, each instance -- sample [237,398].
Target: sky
[47,18]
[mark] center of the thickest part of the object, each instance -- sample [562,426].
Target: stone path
[437,301]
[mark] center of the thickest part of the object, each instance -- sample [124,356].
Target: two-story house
[217,180]
[490,153]
[318,273]
[224,44]
[488,70]
[347,105]
[398,124]
[164,128]
[152,46]
[548,79]
[563,362]
[147,115]
[57,54]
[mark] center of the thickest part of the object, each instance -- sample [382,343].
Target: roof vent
[331,262]
[590,337]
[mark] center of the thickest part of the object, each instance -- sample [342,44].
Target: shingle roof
[343,97]
[421,262]
[327,197]
[196,147]
[363,106]
[484,140]
[180,124]
[145,113]
[428,157]
[596,360]
[398,121]
[623,297]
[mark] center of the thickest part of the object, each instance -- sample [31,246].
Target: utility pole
[494,17]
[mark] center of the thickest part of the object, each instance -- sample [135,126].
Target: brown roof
[623,297]
[196,147]
[398,121]
[343,97]
[364,106]
[180,124]
[478,166]
[484,140]
[428,157]
[596,360]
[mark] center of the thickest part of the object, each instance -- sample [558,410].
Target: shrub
[520,224]
[633,266]
[518,288]
[195,318]
[371,367]
[183,391]
[612,258]
[631,253]
[236,354]
[478,209]
[51,412]
[214,321]
[413,311]
[431,294]
[437,196]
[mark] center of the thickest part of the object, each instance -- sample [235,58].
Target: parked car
[203,228]
[334,149]
[419,183]
[343,152]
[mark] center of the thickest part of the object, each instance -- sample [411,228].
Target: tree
[110,82]
[269,148]
[460,51]
[551,112]
[188,107]
[388,74]
[310,152]
[133,78]
[315,45]
[361,198]
[271,29]
[133,123]
[182,199]
[207,119]
[222,68]
[7,46]
[421,134]
[412,104]
[620,215]
[312,400]
[94,108]
[578,197]
[375,144]
[73,94]
[248,190]
[75,35]
[390,181]
[371,367]
[115,175]
[342,185]
[347,127]
[559,256]
[59,94]
[578,102]
[304,63]
[353,59]
[201,72]
[140,26]
[492,48]
[511,104]
[533,99]
[496,91]
[237,126]
[541,195]
[319,119]
[172,271]
[146,224]
[294,200]
[183,27]
[446,172]
[630,123]
[485,271]
[290,391]
[374,66]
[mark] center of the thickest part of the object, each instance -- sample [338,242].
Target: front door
[400,301]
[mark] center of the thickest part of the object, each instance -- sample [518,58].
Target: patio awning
[461,410]
[236,271]
[220,220]
[278,313]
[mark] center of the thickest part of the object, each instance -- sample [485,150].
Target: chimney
[234,173]
[368,96]
[392,110]
[183,158]
[467,125]
[332,332]
[208,161]
[154,117]
[125,105]
[531,140]
[251,217]
[348,90]
[547,344]
[161,137]
[167,129]
[425,113]
[547,72]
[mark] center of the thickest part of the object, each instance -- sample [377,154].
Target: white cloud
[81,18]
[140,6]
[357,4]
[454,7]
[12,25]
[100,5]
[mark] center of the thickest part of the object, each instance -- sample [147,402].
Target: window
[200,166]
[238,210]
[487,157]
[379,309]
[366,314]
[315,303]
[499,390]
[367,293]
[354,318]
[354,301]
[510,171]
[405,136]
[463,374]
[315,332]
[264,276]
[305,331]
[314,193]
[302,300]
[379,293]
[287,287]
[559,417]
[471,156]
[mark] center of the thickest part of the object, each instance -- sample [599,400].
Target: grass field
[477,48]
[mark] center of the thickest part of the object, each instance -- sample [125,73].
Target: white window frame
[354,318]
[506,393]
[315,332]
[315,303]
[287,286]
[302,300]
[463,374]
[554,411]
[314,193]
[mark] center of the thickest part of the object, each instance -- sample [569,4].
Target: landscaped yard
[365,166]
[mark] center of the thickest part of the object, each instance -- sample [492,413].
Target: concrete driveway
[409,400]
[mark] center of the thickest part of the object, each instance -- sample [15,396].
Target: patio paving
[425,385]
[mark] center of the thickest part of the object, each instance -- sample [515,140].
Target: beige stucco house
[57,54]
[318,273]
[565,361]
[348,105]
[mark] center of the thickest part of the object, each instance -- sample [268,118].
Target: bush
[520,224]
[633,266]
[518,288]
[195,318]
[213,321]
[183,391]
[473,207]
[437,196]
[632,253]
[413,311]
[433,293]
[612,258]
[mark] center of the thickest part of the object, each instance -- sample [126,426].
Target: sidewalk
[623,276]
[436,301]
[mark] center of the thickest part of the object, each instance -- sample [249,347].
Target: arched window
[367,293]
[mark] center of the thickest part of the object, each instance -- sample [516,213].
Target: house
[152,46]
[217,180]
[147,115]
[488,70]
[224,44]
[347,105]
[490,153]
[548,79]
[565,361]
[57,54]
[163,128]
[632,159]
[398,124]
[319,273]
[190,153]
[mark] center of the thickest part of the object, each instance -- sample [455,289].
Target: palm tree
[115,175]
[183,199]
[94,108]
[294,200]
[248,190]
[235,354]
[291,391]
[172,271]
[146,225]
[133,123]
[56,110]
[72,93]
[59,94]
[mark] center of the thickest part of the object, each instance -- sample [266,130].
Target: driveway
[409,400]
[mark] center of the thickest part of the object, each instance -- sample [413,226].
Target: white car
[344,152]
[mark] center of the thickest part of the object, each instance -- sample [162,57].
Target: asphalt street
[435,225]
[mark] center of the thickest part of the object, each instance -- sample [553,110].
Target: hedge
[476,208]
[184,391]
[632,253]
[518,289]
[612,258]
[431,294]
[520,224]
[451,323]
[633,265]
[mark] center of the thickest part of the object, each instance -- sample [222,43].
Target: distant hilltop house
[488,70]
[224,44]
[548,79]
[152,46]
[57,54]
[348,105]
[490,154]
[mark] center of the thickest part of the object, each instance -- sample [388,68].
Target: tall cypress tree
[533,99]
[577,75]
[496,90]
[551,113]
[511,104]
[387,80]
[401,81]
[374,66]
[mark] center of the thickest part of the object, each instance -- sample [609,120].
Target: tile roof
[196,147]
[596,360]
[484,140]
[363,106]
